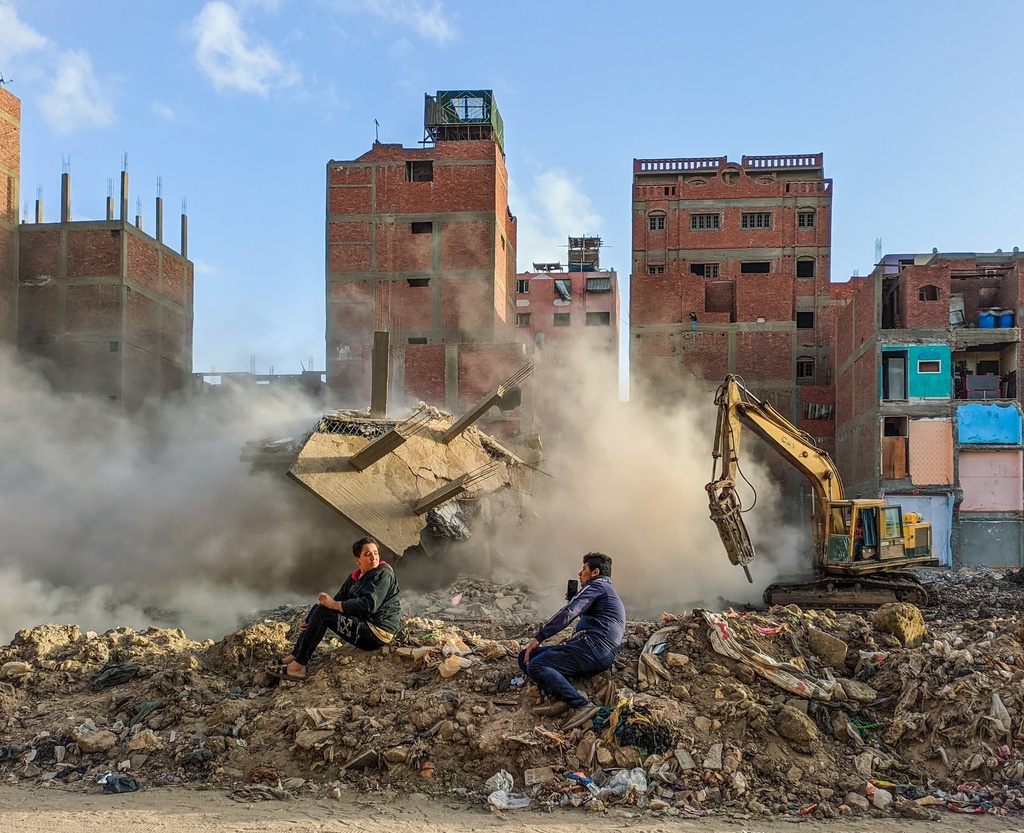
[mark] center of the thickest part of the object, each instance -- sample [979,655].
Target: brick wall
[425,373]
[93,308]
[94,254]
[764,356]
[915,312]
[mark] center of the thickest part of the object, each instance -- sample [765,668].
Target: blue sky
[238,105]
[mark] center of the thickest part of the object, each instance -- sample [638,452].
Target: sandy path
[30,810]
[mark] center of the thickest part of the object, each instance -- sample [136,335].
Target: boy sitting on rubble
[364,612]
[590,650]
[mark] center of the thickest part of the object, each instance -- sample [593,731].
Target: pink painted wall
[991,481]
[931,452]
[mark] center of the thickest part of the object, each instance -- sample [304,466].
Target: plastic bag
[501,800]
[453,665]
[624,782]
[501,780]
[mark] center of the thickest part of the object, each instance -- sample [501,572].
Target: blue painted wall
[981,422]
[924,385]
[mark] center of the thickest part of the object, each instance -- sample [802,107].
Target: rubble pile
[792,712]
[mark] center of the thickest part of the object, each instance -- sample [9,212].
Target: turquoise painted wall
[985,422]
[924,385]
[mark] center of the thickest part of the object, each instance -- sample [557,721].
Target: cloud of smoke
[110,520]
[628,480]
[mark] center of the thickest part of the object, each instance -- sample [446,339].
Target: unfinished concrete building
[730,274]
[421,246]
[101,307]
[928,357]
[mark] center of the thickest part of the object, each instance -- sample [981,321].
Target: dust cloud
[110,521]
[627,479]
[113,521]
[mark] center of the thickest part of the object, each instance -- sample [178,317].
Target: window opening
[894,374]
[419,281]
[563,288]
[417,340]
[805,268]
[705,270]
[599,284]
[522,319]
[805,368]
[705,222]
[929,366]
[894,426]
[561,319]
[928,293]
[598,318]
[656,269]
[805,320]
[805,219]
[523,286]
[115,346]
[419,171]
[756,267]
[422,228]
[756,220]
[656,222]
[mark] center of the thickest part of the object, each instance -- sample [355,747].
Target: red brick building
[565,311]
[101,307]
[731,267]
[421,243]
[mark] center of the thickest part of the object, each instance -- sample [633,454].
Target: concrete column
[380,369]
[451,378]
[124,196]
[110,208]
[138,222]
[39,211]
[159,219]
[65,198]
[184,235]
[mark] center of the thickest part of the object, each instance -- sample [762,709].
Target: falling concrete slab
[382,497]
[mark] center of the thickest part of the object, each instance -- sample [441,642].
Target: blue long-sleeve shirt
[601,613]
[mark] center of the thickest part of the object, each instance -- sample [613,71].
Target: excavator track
[849,592]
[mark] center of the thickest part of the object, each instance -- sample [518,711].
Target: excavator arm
[738,407]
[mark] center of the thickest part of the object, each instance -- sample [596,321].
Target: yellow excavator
[861,548]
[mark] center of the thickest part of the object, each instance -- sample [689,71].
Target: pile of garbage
[788,711]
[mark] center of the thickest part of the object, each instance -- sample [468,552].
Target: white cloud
[75,97]
[548,213]
[204,269]
[17,38]
[163,111]
[231,58]
[427,19]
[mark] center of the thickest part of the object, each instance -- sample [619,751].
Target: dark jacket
[601,612]
[373,597]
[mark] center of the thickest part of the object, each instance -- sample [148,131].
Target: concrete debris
[904,621]
[909,732]
[376,473]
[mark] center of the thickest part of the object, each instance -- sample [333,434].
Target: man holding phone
[591,648]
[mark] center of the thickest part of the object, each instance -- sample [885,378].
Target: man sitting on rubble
[365,612]
[591,648]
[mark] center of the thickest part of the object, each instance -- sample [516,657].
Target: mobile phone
[571,589]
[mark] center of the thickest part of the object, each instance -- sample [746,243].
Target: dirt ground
[29,810]
[739,719]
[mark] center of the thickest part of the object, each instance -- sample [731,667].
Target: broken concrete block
[861,692]
[90,742]
[902,620]
[538,775]
[713,760]
[676,660]
[827,648]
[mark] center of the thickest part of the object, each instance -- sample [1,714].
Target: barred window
[705,222]
[756,220]
[805,219]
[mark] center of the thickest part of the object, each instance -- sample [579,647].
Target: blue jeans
[579,657]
